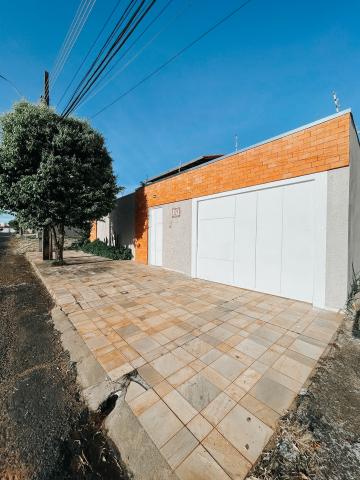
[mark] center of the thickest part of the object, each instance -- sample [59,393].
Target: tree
[14,224]
[54,171]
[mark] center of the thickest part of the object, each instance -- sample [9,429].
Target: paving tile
[138,362]
[268,333]
[181,376]
[235,392]
[180,406]
[228,367]
[215,377]
[183,355]
[211,356]
[245,432]
[179,447]
[269,357]
[248,379]
[260,410]
[97,342]
[145,345]
[284,380]
[234,464]
[167,364]
[128,330]
[273,394]
[197,347]
[200,427]
[142,402]
[197,365]
[251,348]
[173,332]
[133,391]
[306,346]
[200,465]
[242,357]
[294,365]
[160,423]
[199,391]
[120,371]
[111,360]
[163,388]
[218,408]
[150,375]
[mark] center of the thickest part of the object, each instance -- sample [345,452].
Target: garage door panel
[260,240]
[223,207]
[216,239]
[245,240]
[298,242]
[268,241]
[216,270]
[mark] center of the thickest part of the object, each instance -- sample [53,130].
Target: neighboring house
[5,228]
[280,217]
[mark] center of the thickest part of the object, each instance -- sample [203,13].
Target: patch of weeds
[293,455]
[101,249]
[353,303]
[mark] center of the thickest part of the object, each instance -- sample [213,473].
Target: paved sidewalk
[222,363]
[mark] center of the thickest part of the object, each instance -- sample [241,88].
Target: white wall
[354,205]
[337,238]
[103,229]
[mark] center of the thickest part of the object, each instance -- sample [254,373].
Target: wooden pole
[46,234]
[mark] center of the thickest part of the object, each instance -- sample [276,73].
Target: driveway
[222,364]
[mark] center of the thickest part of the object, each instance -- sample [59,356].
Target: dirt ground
[320,438]
[46,431]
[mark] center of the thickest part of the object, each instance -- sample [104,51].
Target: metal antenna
[236,143]
[336,102]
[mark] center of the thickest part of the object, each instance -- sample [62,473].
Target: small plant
[99,248]
[353,302]
[354,289]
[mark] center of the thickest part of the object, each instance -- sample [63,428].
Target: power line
[103,48]
[138,53]
[113,50]
[74,31]
[174,57]
[71,37]
[67,37]
[12,84]
[90,49]
[120,41]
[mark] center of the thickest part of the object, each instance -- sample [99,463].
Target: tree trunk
[59,236]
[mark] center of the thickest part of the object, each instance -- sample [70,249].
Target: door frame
[320,226]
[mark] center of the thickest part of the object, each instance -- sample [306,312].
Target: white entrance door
[261,240]
[155,236]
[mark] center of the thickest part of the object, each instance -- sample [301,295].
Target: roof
[184,166]
[198,162]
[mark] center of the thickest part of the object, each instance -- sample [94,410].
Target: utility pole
[46,235]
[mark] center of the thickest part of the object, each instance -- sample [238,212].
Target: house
[280,217]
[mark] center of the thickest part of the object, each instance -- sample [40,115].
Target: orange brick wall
[93,231]
[315,149]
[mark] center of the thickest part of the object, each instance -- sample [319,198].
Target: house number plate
[176,212]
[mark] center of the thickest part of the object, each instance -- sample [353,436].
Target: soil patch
[46,430]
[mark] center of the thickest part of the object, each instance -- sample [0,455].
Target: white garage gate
[261,240]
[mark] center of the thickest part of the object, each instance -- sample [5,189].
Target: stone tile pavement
[222,364]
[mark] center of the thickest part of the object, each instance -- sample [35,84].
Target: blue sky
[269,69]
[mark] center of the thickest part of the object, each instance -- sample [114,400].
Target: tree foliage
[14,224]
[54,171]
